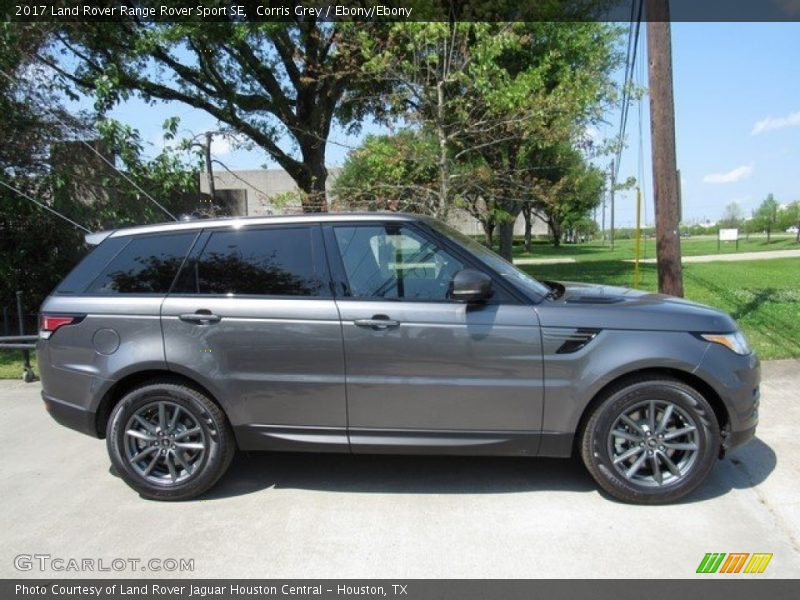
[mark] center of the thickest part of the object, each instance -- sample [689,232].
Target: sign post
[728,235]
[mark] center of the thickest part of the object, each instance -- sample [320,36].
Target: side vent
[571,340]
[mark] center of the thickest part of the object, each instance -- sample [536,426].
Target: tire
[168,441]
[684,446]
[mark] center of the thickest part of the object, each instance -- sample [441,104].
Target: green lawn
[11,364]
[763,295]
[624,249]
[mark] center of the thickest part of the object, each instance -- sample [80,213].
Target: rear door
[426,373]
[252,316]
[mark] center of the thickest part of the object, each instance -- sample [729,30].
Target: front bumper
[736,379]
[735,439]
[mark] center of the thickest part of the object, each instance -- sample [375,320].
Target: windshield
[518,278]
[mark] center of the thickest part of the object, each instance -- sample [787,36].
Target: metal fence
[16,320]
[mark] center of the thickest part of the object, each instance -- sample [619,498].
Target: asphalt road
[307,515]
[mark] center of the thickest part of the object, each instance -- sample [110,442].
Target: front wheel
[169,442]
[651,441]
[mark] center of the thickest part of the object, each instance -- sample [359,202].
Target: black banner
[410,589]
[394,10]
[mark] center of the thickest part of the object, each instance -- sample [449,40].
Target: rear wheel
[651,441]
[169,441]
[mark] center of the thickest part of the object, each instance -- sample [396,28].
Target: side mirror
[470,285]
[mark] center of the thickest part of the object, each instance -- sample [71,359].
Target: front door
[425,372]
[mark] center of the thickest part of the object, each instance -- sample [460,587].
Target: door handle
[377,322]
[201,317]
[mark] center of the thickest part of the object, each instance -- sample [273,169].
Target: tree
[42,156]
[766,215]
[488,92]
[390,172]
[33,119]
[565,189]
[732,217]
[789,217]
[278,84]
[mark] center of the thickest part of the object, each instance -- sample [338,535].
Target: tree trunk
[527,212]
[488,232]
[444,166]
[555,232]
[512,209]
[797,237]
[311,180]
[768,233]
[506,230]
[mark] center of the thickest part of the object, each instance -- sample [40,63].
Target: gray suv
[380,333]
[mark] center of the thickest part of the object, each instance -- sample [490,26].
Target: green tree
[488,93]
[390,172]
[765,216]
[42,157]
[565,189]
[789,217]
[281,85]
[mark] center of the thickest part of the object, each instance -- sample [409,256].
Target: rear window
[145,265]
[274,261]
[82,275]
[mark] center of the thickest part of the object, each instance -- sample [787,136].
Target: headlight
[735,342]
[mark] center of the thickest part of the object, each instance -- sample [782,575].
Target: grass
[11,364]
[763,295]
[624,249]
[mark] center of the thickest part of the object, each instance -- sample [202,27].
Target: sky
[737,118]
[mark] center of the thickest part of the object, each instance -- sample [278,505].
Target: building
[273,192]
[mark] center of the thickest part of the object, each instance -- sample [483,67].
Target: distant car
[686,234]
[379,333]
[792,229]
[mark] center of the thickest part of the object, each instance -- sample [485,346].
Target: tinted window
[395,262]
[146,265]
[81,276]
[264,262]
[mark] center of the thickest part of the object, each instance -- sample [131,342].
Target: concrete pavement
[309,515]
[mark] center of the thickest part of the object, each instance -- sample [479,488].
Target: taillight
[49,324]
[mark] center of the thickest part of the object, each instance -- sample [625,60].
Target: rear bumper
[72,416]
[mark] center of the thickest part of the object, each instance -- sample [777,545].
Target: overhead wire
[44,206]
[630,65]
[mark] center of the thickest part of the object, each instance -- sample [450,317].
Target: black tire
[192,472]
[655,484]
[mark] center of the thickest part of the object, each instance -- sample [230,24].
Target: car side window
[146,265]
[273,261]
[395,262]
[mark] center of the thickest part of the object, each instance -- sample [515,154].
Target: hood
[608,307]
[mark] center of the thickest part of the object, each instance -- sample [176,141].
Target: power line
[44,206]
[100,155]
[630,65]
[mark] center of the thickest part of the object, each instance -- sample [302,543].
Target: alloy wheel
[654,443]
[164,443]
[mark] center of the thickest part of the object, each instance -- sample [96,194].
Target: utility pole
[613,184]
[209,168]
[662,127]
[603,227]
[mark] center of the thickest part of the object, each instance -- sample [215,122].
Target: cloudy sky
[737,102]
